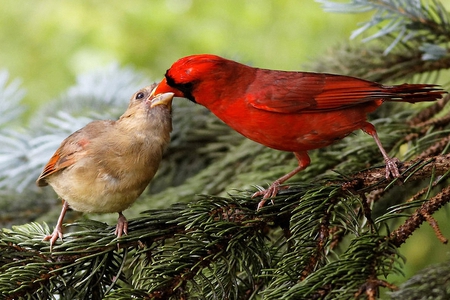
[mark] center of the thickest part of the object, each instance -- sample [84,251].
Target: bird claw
[122,226]
[268,193]
[392,168]
[57,233]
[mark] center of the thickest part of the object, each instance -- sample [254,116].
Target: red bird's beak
[163,87]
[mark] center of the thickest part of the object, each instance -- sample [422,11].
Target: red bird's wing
[290,92]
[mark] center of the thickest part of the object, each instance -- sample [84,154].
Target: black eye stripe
[185,88]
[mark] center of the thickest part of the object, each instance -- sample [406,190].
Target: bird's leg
[122,225]
[57,232]
[272,190]
[391,163]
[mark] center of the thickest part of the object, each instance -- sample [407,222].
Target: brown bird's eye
[140,95]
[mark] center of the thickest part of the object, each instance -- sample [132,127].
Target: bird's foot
[268,193]
[122,226]
[57,233]
[392,168]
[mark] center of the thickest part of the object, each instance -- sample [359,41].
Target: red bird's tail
[413,92]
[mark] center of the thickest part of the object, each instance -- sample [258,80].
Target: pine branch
[424,213]
[369,62]
[414,33]
[212,247]
[432,283]
[414,21]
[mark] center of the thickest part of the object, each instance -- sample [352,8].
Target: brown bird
[105,166]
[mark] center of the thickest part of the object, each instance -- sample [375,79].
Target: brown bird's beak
[161,99]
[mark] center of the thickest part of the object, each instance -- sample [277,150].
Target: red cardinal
[288,111]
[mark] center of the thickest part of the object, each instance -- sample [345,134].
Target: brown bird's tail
[413,92]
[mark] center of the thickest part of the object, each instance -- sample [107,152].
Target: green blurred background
[47,43]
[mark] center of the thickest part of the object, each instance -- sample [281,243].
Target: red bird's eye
[140,95]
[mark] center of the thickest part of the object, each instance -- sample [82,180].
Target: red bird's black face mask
[185,88]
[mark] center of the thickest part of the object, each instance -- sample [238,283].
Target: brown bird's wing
[290,92]
[73,147]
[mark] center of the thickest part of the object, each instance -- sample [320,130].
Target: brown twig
[402,233]
[426,114]
[370,288]
[433,223]
[375,178]
[436,148]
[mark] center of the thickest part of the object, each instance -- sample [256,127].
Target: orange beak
[162,99]
[163,87]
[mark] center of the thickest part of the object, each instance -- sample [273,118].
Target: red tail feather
[413,93]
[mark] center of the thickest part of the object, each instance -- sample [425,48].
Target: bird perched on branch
[105,166]
[288,111]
